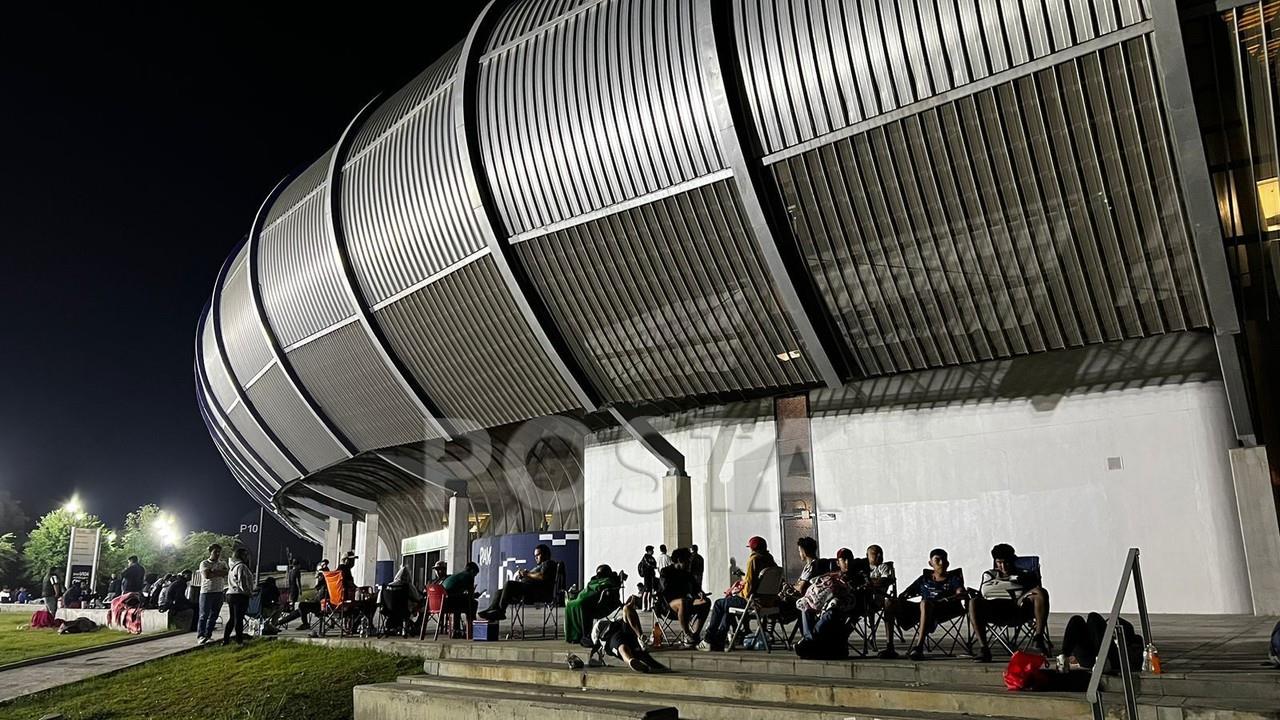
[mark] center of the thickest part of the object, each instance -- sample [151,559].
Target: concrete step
[405,701]
[751,688]
[691,708]
[816,692]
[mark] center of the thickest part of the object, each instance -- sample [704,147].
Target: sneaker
[983,656]
[638,665]
[200,639]
[916,654]
[575,662]
[704,646]
[887,654]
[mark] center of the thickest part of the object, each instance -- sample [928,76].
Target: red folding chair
[434,610]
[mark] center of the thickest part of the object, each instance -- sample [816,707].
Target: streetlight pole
[257,556]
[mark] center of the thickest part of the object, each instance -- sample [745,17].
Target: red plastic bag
[1026,672]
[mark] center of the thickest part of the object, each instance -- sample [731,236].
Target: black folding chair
[548,605]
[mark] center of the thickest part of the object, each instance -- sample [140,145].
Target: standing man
[295,582]
[664,560]
[52,591]
[696,564]
[133,577]
[213,582]
[239,588]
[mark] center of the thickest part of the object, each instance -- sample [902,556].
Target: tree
[195,547]
[46,546]
[10,568]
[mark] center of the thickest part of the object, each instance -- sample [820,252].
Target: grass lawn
[268,679]
[18,644]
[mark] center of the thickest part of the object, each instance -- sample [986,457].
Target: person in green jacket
[582,610]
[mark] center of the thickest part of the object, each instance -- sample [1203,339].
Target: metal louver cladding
[1038,214]
[596,106]
[668,300]
[465,341]
[247,347]
[812,68]
[356,390]
[258,440]
[219,384]
[302,285]
[289,418]
[404,201]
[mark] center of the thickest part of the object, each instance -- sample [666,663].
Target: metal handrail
[1132,569]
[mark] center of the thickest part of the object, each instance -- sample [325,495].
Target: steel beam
[417,394]
[761,202]
[269,334]
[215,316]
[489,220]
[1173,76]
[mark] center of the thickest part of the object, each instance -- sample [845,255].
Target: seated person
[942,597]
[616,638]
[1010,595]
[460,589]
[399,600]
[173,596]
[719,624]
[439,572]
[829,594]
[813,565]
[678,596]
[581,611]
[528,586]
[73,596]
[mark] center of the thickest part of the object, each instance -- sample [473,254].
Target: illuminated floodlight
[73,507]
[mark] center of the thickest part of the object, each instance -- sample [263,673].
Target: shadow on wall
[1042,378]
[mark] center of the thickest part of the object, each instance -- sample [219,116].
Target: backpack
[1275,645]
[1026,672]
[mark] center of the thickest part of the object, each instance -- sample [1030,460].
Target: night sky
[138,142]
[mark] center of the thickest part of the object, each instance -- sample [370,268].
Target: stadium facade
[908,272]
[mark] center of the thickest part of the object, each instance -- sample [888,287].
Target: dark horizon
[145,138]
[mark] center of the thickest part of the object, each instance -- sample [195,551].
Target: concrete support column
[366,567]
[346,540]
[1256,504]
[677,510]
[332,540]
[459,550]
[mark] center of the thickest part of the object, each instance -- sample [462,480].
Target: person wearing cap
[718,625]
[439,571]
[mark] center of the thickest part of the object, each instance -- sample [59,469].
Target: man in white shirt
[663,558]
[213,583]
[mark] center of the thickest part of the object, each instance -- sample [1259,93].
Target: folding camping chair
[394,610]
[337,611]
[1016,637]
[870,622]
[548,605]
[764,607]
[955,634]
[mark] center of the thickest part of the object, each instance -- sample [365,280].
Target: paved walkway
[34,678]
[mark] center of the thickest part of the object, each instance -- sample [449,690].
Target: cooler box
[486,630]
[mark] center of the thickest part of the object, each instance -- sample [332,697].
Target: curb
[86,650]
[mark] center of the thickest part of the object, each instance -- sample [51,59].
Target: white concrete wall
[735,495]
[964,477]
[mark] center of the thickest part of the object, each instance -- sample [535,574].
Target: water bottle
[1151,660]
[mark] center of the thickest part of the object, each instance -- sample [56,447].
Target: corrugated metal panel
[466,342]
[249,472]
[247,347]
[601,108]
[405,102]
[1040,214]
[667,300]
[299,189]
[302,286]
[219,382]
[356,391]
[799,54]
[405,206]
[288,417]
[260,443]
[526,17]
